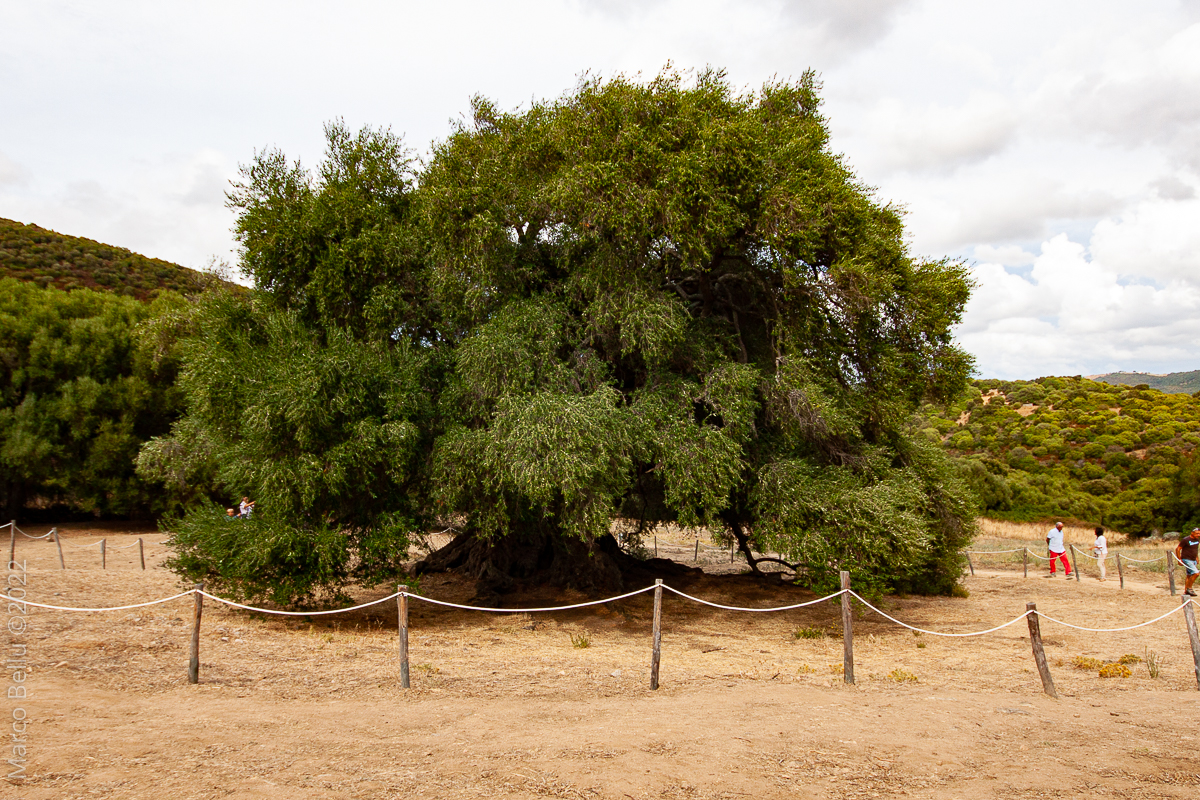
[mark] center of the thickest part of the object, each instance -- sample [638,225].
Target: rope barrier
[107,608]
[1014,621]
[739,608]
[448,604]
[392,596]
[84,546]
[1179,607]
[1139,561]
[530,610]
[46,535]
[992,552]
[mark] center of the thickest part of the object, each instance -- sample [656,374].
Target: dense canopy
[78,398]
[637,303]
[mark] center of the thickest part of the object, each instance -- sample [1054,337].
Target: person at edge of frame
[1186,551]
[1058,550]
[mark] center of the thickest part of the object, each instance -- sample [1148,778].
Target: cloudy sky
[1053,146]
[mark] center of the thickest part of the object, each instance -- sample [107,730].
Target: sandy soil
[511,706]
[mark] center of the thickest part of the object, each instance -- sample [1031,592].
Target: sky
[1053,147]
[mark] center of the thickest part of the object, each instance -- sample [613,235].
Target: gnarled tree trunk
[546,558]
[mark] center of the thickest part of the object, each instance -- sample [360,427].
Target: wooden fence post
[194,661]
[1039,654]
[1078,571]
[1025,560]
[104,554]
[696,557]
[1171,572]
[847,631]
[969,564]
[1189,614]
[656,652]
[58,544]
[402,612]
[142,552]
[1120,571]
[12,542]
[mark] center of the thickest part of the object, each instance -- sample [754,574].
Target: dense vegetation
[30,253]
[1173,382]
[649,302]
[1120,456]
[78,399]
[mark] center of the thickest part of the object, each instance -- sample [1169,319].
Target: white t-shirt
[1056,540]
[1101,546]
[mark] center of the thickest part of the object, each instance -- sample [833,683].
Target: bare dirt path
[509,706]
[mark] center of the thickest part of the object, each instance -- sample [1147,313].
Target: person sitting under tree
[246,508]
[1186,551]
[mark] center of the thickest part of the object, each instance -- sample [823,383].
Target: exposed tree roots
[520,561]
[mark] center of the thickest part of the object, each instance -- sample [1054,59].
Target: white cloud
[1170,187]
[998,126]
[12,173]
[172,208]
[1076,314]
[1009,255]
[1158,240]
[939,137]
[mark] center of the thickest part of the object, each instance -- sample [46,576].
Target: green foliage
[683,296]
[661,301]
[338,248]
[50,259]
[321,429]
[261,559]
[78,398]
[1113,455]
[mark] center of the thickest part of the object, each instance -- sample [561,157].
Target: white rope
[1139,561]
[529,610]
[84,546]
[1014,621]
[108,608]
[392,596]
[990,552]
[1035,555]
[123,547]
[30,535]
[1114,630]
[739,608]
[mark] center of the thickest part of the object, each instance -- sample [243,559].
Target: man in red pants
[1054,541]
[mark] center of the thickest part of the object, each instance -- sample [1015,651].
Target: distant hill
[1171,383]
[1127,457]
[35,254]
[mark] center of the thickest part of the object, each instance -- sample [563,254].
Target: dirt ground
[514,706]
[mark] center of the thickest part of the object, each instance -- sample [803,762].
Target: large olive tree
[641,302]
[675,302]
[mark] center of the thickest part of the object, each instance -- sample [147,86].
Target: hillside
[1101,453]
[1172,383]
[32,253]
